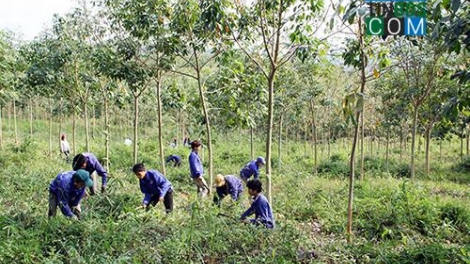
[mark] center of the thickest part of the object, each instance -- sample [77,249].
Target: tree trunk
[252,143]
[286,141]
[427,147]
[206,116]
[93,121]
[74,131]
[387,149]
[305,139]
[9,119]
[160,122]
[136,126]
[269,131]
[107,128]
[31,117]
[362,143]
[87,127]
[50,127]
[15,123]
[461,141]
[60,119]
[356,132]
[468,147]
[413,141]
[280,143]
[315,153]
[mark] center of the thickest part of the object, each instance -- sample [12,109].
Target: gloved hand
[92,191]
[103,189]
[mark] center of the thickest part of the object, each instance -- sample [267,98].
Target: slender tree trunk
[269,131]
[280,142]
[136,126]
[60,119]
[315,152]
[107,127]
[305,139]
[387,149]
[160,122]
[378,145]
[468,143]
[9,119]
[252,143]
[206,117]
[93,121]
[356,132]
[413,141]
[371,143]
[286,141]
[87,127]
[50,127]
[362,143]
[461,141]
[74,131]
[427,147]
[15,123]
[405,143]
[31,117]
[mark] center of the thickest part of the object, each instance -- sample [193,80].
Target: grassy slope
[396,220]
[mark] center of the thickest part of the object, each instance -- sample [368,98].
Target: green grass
[396,220]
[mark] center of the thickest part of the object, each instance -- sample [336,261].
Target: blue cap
[261,160]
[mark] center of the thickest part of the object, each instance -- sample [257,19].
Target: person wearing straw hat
[226,185]
[66,191]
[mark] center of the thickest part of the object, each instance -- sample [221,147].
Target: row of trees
[226,65]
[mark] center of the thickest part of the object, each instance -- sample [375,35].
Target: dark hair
[78,161]
[138,167]
[254,185]
[62,137]
[195,144]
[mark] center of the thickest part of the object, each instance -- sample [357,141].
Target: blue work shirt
[249,170]
[233,186]
[174,158]
[67,194]
[154,183]
[92,165]
[195,165]
[262,210]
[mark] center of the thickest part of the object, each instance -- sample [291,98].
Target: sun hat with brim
[219,180]
[83,176]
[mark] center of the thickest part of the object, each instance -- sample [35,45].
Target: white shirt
[64,145]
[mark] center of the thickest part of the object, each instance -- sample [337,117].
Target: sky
[30,17]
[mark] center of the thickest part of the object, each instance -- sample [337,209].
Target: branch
[266,47]
[184,74]
[288,55]
[249,56]
[211,58]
